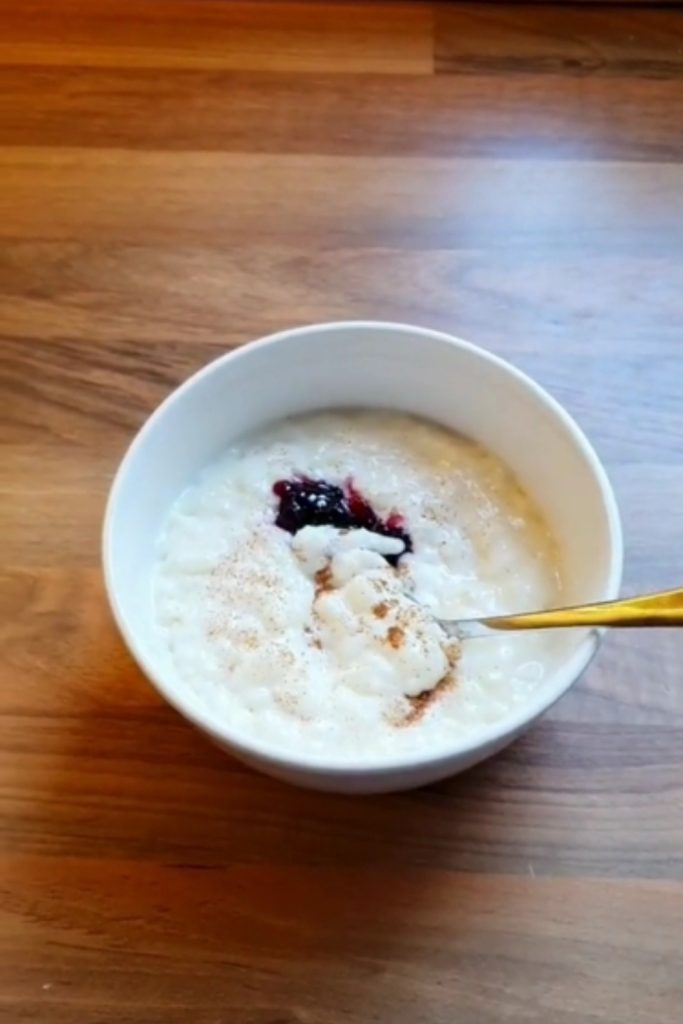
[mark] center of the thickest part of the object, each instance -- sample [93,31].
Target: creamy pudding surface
[294,582]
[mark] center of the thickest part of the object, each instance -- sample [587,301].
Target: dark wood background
[178,177]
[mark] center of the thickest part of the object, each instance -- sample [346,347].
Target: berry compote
[307,502]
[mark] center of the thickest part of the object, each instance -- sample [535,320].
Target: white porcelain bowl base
[367,365]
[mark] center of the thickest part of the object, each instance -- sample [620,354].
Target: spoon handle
[662,609]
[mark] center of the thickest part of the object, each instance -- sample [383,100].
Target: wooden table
[177,177]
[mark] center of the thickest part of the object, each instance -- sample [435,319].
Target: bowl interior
[362,365]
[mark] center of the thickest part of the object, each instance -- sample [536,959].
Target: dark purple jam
[306,502]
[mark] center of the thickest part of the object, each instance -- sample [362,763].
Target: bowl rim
[483,738]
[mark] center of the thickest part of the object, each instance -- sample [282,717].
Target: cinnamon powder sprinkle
[290,704]
[381,610]
[324,578]
[420,703]
[395,636]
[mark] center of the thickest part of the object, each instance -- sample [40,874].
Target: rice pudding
[294,583]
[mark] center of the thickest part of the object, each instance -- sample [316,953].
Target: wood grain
[176,178]
[468,114]
[560,38]
[298,37]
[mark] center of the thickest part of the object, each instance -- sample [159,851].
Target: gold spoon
[662,609]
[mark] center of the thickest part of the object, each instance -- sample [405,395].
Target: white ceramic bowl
[376,365]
